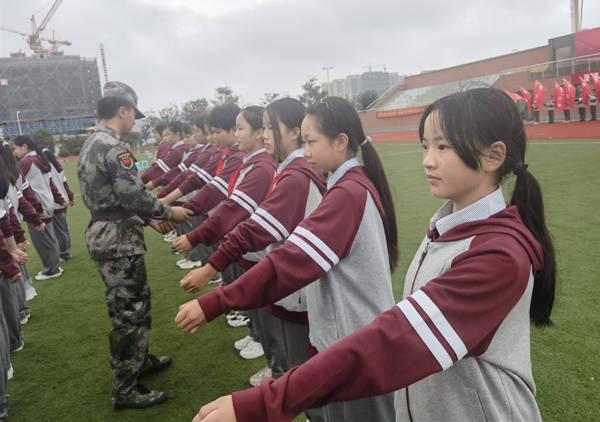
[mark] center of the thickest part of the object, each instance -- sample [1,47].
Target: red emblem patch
[126,160]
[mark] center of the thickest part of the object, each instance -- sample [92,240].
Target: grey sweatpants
[10,306]
[21,293]
[200,252]
[63,236]
[4,360]
[46,245]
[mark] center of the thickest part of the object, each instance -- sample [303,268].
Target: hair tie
[521,170]
[45,149]
[367,139]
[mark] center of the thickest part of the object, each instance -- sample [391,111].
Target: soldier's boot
[139,398]
[154,364]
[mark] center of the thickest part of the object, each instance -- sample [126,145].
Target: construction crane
[35,40]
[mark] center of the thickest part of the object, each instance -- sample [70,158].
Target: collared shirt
[30,154]
[255,153]
[444,219]
[295,154]
[178,143]
[341,170]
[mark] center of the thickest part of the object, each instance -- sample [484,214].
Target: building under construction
[48,89]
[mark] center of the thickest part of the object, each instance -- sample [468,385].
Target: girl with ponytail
[343,252]
[457,347]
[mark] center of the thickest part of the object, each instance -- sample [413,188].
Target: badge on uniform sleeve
[126,160]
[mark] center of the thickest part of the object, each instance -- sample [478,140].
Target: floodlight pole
[19,123]
[327,69]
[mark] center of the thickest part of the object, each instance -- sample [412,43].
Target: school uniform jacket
[163,149]
[247,187]
[58,176]
[458,345]
[25,210]
[197,174]
[295,192]
[8,267]
[29,195]
[12,198]
[188,159]
[342,246]
[162,165]
[39,177]
[215,191]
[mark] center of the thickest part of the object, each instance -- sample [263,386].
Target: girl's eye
[424,147]
[443,147]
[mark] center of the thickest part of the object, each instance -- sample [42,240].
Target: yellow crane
[35,40]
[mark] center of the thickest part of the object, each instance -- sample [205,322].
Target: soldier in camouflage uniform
[120,207]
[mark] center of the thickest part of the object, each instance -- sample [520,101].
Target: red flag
[539,94]
[515,97]
[526,96]
[569,93]
[559,97]
[585,92]
[596,82]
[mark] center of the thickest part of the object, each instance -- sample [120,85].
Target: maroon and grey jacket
[8,267]
[247,187]
[162,165]
[215,191]
[457,346]
[295,192]
[197,174]
[39,178]
[339,252]
[188,160]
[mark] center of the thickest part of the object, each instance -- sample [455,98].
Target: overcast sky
[172,51]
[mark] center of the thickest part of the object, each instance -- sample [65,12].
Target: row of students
[457,347]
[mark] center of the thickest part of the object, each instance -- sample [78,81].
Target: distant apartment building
[352,85]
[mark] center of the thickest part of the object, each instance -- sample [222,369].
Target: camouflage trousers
[128,301]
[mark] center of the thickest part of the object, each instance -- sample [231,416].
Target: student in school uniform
[163,144]
[344,251]
[175,133]
[295,192]
[457,347]
[61,227]
[36,169]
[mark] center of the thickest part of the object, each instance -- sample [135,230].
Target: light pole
[19,123]
[327,69]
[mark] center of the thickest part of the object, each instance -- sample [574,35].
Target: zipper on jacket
[411,291]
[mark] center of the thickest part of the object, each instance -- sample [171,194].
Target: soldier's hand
[190,317]
[41,227]
[220,410]
[24,245]
[15,278]
[180,214]
[198,279]
[182,244]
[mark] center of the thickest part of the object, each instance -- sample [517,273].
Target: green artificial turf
[63,372]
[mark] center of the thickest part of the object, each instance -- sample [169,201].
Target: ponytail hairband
[45,149]
[367,139]
[521,170]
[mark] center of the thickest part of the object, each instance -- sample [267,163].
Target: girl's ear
[295,133]
[493,157]
[341,142]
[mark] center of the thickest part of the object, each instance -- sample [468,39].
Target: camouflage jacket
[116,197]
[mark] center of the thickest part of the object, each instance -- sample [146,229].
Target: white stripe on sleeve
[218,186]
[425,333]
[441,323]
[25,185]
[246,198]
[266,226]
[182,167]
[242,203]
[274,222]
[306,248]
[206,174]
[162,165]
[2,212]
[318,243]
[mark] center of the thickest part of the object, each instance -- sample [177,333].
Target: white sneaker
[30,293]
[242,343]
[18,349]
[25,319]
[170,237]
[181,261]
[216,279]
[190,264]
[10,373]
[252,351]
[239,321]
[42,276]
[257,378]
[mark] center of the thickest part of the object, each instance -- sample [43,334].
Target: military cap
[121,90]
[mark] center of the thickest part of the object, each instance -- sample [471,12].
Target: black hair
[472,121]
[176,127]
[10,163]
[223,116]
[186,128]
[160,127]
[253,115]
[26,140]
[199,122]
[109,106]
[52,159]
[290,112]
[336,115]
[4,179]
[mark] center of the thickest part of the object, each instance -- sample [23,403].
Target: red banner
[585,92]
[526,96]
[515,97]
[576,78]
[569,93]
[559,97]
[539,94]
[595,80]
[400,112]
